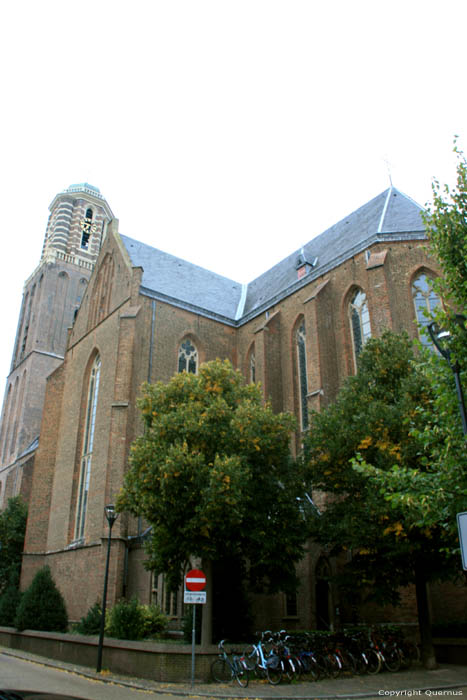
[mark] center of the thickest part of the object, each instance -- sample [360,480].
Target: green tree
[432,491]
[372,421]
[42,606]
[446,226]
[213,475]
[12,529]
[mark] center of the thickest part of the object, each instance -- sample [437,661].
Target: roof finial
[388,166]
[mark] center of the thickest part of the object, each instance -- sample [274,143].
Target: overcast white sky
[225,132]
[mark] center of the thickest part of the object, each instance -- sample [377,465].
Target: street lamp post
[111,515]
[441,339]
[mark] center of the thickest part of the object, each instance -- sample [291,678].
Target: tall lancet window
[302,375]
[359,322]
[188,357]
[425,301]
[88,443]
[251,364]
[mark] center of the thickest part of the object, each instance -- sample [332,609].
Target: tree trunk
[206,620]
[424,622]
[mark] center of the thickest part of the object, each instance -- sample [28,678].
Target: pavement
[448,680]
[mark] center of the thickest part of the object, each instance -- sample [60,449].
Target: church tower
[75,232]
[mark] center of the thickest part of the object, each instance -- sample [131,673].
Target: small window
[188,357]
[87,227]
[359,321]
[291,607]
[425,301]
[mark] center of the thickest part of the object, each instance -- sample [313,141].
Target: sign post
[195,583]
[462,528]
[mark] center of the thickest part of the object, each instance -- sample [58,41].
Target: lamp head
[111,514]
[442,337]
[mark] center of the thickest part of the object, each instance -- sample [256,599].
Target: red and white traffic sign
[195,580]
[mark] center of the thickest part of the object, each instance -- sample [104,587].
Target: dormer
[303,265]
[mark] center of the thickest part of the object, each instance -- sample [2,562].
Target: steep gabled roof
[391,212]
[179,282]
[390,215]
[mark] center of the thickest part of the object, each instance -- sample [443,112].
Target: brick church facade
[130,313]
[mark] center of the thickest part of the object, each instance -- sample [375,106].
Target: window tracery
[87,449]
[425,302]
[188,357]
[302,375]
[359,321]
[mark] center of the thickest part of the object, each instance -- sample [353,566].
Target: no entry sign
[195,580]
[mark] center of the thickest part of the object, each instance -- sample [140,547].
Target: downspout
[151,341]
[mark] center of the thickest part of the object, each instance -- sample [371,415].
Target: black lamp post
[111,515]
[441,339]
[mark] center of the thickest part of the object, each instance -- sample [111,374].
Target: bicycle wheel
[321,665]
[299,667]
[333,665]
[349,662]
[361,662]
[373,662]
[221,671]
[288,668]
[241,672]
[274,674]
[250,655]
[392,660]
[312,667]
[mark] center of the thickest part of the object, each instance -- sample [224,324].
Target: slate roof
[391,212]
[179,282]
[390,215]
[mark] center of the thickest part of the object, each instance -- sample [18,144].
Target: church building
[104,313]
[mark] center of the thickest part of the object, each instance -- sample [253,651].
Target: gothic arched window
[188,357]
[302,375]
[359,321]
[251,365]
[425,301]
[88,443]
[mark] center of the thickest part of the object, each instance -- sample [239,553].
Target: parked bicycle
[262,661]
[230,666]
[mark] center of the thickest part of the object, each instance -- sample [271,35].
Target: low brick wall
[157,661]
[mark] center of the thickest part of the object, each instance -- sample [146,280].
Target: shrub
[155,622]
[9,603]
[126,620]
[91,622]
[42,606]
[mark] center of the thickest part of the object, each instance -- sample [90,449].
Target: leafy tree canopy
[372,421]
[12,531]
[446,226]
[213,475]
[431,491]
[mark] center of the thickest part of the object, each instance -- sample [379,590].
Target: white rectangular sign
[462,527]
[194,597]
